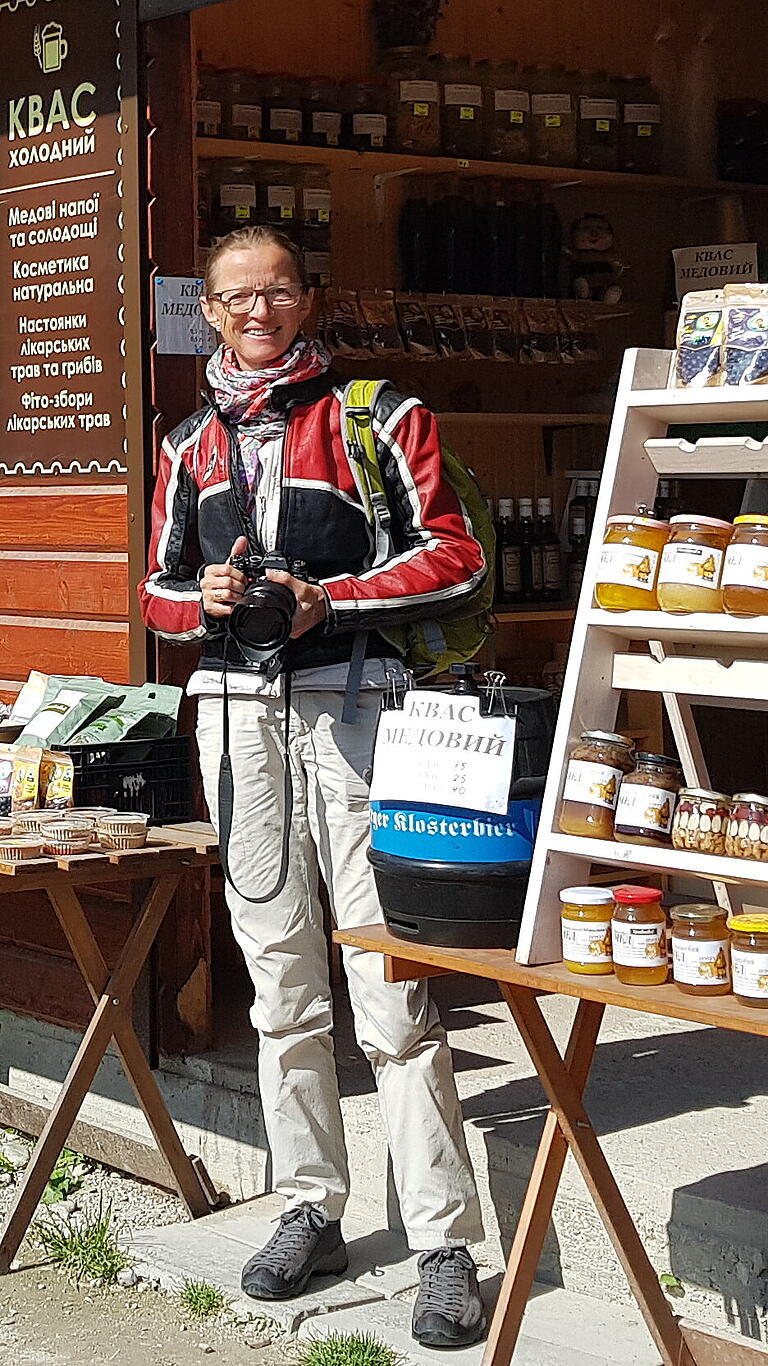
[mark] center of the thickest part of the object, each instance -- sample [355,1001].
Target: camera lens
[263,619]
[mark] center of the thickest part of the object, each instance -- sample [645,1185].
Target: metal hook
[495,681]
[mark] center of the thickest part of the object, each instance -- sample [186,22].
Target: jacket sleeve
[437,562]
[170,596]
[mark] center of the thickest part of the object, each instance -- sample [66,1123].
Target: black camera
[261,621]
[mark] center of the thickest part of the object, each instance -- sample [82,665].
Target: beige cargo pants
[285,949]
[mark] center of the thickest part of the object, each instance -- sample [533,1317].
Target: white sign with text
[725,263]
[180,327]
[439,749]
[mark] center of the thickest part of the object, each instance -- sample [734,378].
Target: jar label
[750,973]
[693,565]
[700,962]
[319,202]
[288,120]
[746,566]
[592,784]
[511,569]
[419,91]
[551,104]
[516,116]
[552,120]
[373,126]
[330,124]
[638,946]
[645,808]
[232,196]
[281,197]
[470,95]
[208,114]
[631,565]
[519,101]
[642,113]
[552,569]
[247,116]
[587,941]
[599,109]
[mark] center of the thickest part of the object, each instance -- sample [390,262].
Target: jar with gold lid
[691,564]
[596,765]
[747,833]
[701,949]
[629,562]
[700,821]
[646,800]
[639,935]
[745,569]
[585,920]
[749,958]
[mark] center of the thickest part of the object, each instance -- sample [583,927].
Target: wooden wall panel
[36,983]
[28,922]
[68,584]
[64,647]
[89,515]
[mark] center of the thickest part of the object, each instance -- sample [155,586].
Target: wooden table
[161,865]
[568,1125]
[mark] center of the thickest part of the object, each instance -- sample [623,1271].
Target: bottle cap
[700,521]
[697,911]
[586,896]
[544,506]
[752,519]
[754,923]
[627,895]
[506,507]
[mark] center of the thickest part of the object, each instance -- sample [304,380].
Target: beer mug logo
[51,47]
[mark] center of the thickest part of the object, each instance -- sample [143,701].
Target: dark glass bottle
[528,261]
[552,573]
[550,233]
[509,572]
[530,552]
[416,246]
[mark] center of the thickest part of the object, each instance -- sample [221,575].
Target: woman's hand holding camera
[223,586]
[311,603]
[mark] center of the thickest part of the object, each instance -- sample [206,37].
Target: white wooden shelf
[694,628]
[730,403]
[740,872]
[727,683]
[709,457]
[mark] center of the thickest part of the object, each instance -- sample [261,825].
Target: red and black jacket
[198,512]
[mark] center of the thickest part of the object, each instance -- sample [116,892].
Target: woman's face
[261,336]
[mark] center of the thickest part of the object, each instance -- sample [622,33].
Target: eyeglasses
[239,301]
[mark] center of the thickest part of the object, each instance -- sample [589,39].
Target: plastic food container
[639,934]
[16,848]
[701,959]
[692,563]
[749,958]
[32,822]
[586,925]
[747,832]
[745,571]
[6,826]
[67,837]
[596,765]
[629,563]
[700,821]
[646,801]
[123,831]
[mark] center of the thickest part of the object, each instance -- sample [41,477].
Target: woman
[264,468]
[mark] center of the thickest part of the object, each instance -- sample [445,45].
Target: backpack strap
[358,405]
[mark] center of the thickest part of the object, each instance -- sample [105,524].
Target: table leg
[540,1197]
[89,959]
[563,1095]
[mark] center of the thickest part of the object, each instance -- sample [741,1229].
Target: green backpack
[454,637]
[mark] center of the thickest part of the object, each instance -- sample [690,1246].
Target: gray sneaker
[448,1311]
[305,1244]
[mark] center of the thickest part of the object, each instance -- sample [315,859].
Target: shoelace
[298,1230]
[444,1276]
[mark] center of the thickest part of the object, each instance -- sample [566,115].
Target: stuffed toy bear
[593,269]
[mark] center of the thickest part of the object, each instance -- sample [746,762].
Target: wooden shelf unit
[711,659]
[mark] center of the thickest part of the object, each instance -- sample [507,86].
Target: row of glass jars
[610,792]
[433,103]
[242,194]
[689,564]
[624,930]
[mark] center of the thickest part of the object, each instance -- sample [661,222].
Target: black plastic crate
[136,775]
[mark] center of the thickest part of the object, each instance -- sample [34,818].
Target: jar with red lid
[639,936]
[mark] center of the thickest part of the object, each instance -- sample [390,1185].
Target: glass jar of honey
[745,570]
[749,958]
[639,934]
[701,957]
[629,563]
[586,925]
[646,801]
[596,765]
[691,564]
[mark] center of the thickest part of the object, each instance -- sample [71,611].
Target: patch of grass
[66,1177]
[5,1165]
[202,1300]
[88,1248]
[349,1349]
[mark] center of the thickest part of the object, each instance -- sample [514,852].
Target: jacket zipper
[235,467]
[281,510]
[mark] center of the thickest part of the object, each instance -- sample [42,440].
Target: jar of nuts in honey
[700,821]
[745,569]
[701,958]
[639,934]
[646,802]
[596,766]
[749,958]
[629,563]
[747,833]
[586,925]
[691,564]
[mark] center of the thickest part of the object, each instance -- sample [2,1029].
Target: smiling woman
[256,295]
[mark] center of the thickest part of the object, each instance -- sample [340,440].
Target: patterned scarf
[244,398]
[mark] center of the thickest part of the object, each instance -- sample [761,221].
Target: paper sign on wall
[727,263]
[439,749]
[180,327]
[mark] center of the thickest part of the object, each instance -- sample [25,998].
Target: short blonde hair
[241,239]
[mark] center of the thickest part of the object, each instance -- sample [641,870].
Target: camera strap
[227,795]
